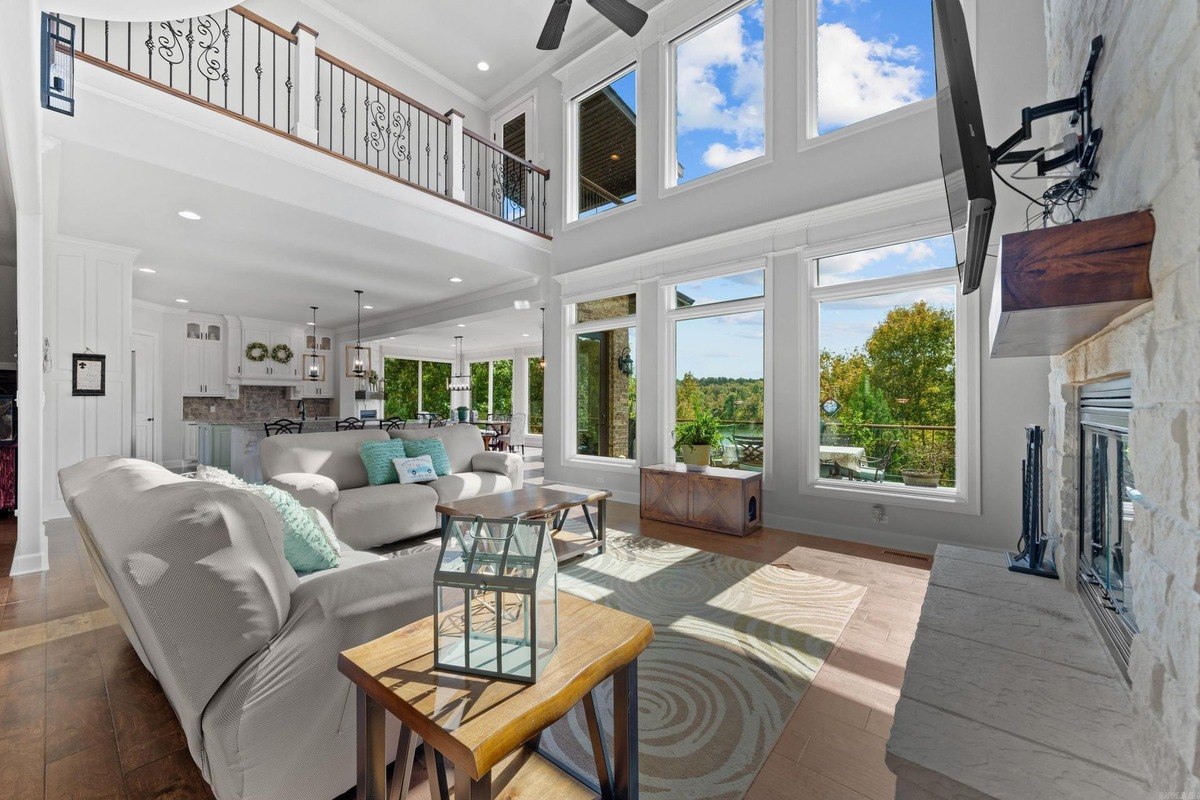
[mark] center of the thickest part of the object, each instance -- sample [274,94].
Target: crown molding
[395,51]
[417,314]
[160,308]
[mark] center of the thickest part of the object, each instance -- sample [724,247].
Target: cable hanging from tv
[1081,150]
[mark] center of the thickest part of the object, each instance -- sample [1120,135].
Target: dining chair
[871,470]
[349,424]
[514,437]
[392,424]
[283,426]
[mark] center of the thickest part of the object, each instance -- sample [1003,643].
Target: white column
[306,82]
[454,184]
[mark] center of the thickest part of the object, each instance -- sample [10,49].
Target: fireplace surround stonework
[1149,106]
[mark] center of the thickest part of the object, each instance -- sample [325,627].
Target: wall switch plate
[212,409]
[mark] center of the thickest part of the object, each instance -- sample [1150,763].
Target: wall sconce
[625,363]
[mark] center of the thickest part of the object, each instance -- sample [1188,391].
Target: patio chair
[870,470]
[749,450]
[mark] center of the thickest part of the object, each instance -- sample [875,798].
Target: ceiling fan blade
[556,24]
[622,13]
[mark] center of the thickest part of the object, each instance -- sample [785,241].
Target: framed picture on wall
[366,360]
[87,375]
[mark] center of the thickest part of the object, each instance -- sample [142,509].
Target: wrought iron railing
[918,447]
[243,65]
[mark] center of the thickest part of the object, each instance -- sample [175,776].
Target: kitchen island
[233,445]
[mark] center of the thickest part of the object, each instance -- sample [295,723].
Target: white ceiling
[253,256]
[488,333]
[452,36]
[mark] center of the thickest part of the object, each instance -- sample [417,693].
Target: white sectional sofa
[324,471]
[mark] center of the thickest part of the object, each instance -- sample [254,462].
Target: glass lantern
[497,598]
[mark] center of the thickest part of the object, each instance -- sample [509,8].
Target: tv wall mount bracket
[1079,106]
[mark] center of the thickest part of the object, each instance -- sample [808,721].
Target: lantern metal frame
[58,51]
[313,370]
[476,586]
[359,370]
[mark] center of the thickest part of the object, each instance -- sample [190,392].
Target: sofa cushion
[435,449]
[377,458]
[373,515]
[415,470]
[334,455]
[462,485]
[462,442]
[350,559]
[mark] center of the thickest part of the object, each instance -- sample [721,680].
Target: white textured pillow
[219,476]
[418,469]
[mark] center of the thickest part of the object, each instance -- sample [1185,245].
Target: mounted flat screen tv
[966,160]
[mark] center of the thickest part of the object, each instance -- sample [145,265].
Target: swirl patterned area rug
[736,645]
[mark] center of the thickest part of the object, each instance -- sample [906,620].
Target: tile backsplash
[256,404]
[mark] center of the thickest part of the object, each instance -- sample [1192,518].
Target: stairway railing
[247,67]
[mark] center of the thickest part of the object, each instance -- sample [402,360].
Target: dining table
[492,430]
[843,456]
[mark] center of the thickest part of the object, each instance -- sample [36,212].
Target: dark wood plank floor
[81,718]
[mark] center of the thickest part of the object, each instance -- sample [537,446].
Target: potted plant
[695,439]
[462,412]
[925,464]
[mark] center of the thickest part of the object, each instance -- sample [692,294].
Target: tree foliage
[911,356]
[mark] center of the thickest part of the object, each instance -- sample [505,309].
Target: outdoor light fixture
[314,364]
[58,65]
[359,369]
[625,363]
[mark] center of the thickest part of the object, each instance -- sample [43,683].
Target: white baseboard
[34,562]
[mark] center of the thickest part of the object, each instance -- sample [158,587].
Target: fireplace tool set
[1033,554]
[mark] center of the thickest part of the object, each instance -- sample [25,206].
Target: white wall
[634,248]
[8,317]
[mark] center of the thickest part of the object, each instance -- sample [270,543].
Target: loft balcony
[241,65]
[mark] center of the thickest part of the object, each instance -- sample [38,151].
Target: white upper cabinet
[204,372]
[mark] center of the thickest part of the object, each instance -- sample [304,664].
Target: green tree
[687,397]
[502,387]
[911,358]
[400,377]
[435,387]
[537,382]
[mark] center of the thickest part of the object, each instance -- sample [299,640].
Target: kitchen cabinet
[269,371]
[204,359]
[191,443]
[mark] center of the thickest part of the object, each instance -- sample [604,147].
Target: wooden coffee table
[536,502]
[489,729]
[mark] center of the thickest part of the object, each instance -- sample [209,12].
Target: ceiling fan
[622,13]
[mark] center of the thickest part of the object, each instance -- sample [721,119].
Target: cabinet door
[664,496]
[255,369]
[193,367]
[716,503]
[191,442]
[214,368]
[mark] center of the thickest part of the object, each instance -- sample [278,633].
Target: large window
[604,152]
[888,408]
[720,110]
[871,58]
[413,386]
[717,325]
[603,342]
[491,388]
[537,384]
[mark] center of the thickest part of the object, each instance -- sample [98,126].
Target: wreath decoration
[282,354]
[256,352]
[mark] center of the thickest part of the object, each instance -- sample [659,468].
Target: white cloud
[861,78]
[838,269]
[701,102]
[720,156]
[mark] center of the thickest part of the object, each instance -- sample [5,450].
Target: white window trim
[571,150]
[570,389]
[965,497]
[527,105]
[667,363]
[667,181]
[807,37]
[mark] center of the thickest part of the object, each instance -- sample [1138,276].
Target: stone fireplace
[1147,103]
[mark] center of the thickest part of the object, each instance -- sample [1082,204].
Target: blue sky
[728,346]
[872,56]
[719,94]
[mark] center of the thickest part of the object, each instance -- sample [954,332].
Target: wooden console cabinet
[715,499]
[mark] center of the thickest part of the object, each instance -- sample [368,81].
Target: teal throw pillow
[306,545]
[377,457]
[432,448]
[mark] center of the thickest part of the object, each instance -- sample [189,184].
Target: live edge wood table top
[476,722]
[530,501]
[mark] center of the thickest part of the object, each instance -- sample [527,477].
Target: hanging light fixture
[542,362]
[459,382]
[359,368]
[314,363]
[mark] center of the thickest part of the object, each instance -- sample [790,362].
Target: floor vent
[913,556]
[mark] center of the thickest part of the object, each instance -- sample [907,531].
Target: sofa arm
[508,464]
[313,491]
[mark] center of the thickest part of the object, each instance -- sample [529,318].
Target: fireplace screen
[1107,496]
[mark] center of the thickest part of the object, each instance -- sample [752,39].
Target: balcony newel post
[457,148]
[305,125]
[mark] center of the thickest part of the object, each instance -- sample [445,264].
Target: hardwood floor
[81,718]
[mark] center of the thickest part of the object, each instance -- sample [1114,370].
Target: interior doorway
[146,440]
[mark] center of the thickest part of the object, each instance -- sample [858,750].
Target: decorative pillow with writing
[377,458]
[434,448]
[415,470]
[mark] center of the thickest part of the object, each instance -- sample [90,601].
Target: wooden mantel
[1058,286]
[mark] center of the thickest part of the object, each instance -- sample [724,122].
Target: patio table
[848,457]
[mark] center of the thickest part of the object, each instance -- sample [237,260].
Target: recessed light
[456,280]
[147,270]
[180,300]
[483,66]
[367,308]
[615,156]
[311,324]
[462,325]
[192,215]
[526,335]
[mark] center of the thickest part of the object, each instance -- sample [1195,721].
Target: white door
[145,383]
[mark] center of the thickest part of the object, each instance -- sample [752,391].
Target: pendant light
[359,367]
[314,363]
[459,382]
[543,359]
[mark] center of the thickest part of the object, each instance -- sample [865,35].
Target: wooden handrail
[523,161]
[265,23]
[378,84]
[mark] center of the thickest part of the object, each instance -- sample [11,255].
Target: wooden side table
[713,498]
[481,723]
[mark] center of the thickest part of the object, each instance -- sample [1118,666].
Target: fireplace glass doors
[1107,496]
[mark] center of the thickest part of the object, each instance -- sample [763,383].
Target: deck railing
[245,66]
